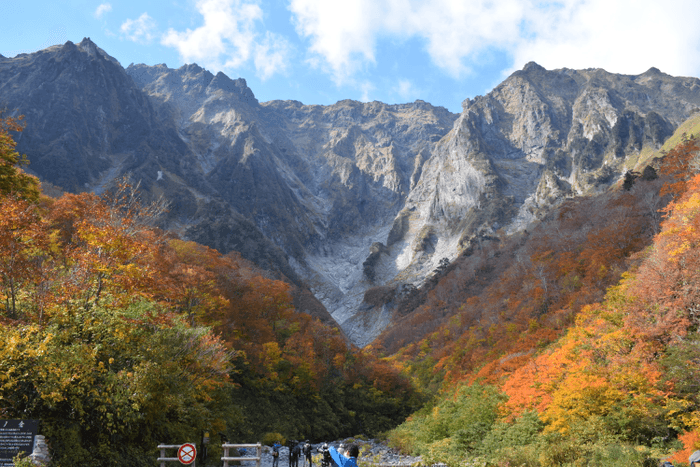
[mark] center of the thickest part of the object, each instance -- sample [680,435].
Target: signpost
[187,454]
[16,436]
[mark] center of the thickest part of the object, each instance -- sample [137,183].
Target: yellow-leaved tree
[13,180]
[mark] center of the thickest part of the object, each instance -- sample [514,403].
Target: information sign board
[16,436]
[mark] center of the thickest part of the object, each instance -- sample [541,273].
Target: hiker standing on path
[276,454]
[295,453]
[307,453]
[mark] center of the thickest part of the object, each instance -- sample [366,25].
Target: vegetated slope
[558,264]
[586,349]
[118,337]
[491,308]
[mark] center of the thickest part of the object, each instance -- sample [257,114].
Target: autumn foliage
[574,343]
[507,297]
[588,331]
[119,336]
[13,180]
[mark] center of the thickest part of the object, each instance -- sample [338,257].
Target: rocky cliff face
[323,182]
[359,201]
[537,138]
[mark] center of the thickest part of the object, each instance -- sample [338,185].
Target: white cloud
[345,34]
[140,30]
[342,33]
[624,36]
[366,87]
[457,32]
[271,55]
[405,89]
[228,38]
[102,10]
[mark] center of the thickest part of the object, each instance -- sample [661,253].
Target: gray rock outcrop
[347,199]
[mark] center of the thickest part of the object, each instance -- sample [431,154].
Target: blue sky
[394,51]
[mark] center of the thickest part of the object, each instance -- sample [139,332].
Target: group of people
[296,450]
[348,458]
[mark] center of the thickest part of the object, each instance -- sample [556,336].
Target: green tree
[454,429]
[111,383]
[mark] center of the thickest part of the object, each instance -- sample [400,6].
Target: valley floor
[372,451]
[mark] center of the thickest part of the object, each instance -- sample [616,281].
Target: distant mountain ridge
[342,198]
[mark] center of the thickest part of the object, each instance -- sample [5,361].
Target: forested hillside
[573,343]
[118,336]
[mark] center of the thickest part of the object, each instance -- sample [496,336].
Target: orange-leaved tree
[24,246]
[105,252]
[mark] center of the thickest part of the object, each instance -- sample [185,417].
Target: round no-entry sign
[187,453]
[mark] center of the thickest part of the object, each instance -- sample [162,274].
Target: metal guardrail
[162,459]
[228,459]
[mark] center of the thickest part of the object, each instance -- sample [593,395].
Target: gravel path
[371,451]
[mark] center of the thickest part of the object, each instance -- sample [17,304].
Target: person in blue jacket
[276,454]
[342,461]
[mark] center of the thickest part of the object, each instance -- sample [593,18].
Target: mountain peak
[68,46]
[652,74]
[93,51]
[88,46]
[532,66]
[192,67]
[238,86]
